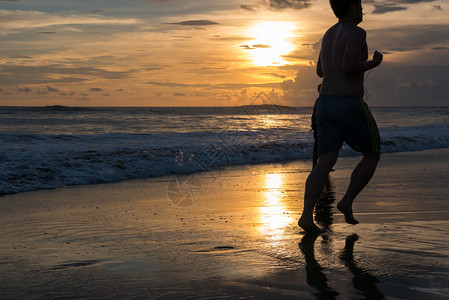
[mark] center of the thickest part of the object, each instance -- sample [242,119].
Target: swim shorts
[346,119]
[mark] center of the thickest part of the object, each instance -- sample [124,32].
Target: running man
[342,115]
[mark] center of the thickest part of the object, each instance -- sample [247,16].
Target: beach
[232,234]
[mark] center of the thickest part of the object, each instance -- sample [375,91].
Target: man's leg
[314,186]
[359,179]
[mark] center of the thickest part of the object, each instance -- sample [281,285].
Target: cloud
[438,7]
[23,90]
[51,90]
[55,73]
[195,23]
[276,75]
[386,7]
[415,1]
[96,89]
[257,46]
[411,37]
[66,94]
[232,86]
[15,20]
[99,11]
[380,9]
[301,91]
[404,49]
[247,7]
[409,85]
[284,4]
[440,48]
[152,69]
[47,32]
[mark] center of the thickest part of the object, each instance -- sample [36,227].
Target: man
[342,115]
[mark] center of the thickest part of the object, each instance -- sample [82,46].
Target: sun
[270,41]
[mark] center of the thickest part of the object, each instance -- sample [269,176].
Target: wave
[33,161]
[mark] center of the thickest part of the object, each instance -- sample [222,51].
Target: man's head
[342,7]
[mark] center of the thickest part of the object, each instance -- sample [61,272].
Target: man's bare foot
[347,211]
[309,227]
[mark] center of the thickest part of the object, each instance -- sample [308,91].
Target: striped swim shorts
[346,119]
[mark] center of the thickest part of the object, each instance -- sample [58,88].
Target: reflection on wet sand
[315,275]
[273,213]
[363,281]
[316,278]
[323,207]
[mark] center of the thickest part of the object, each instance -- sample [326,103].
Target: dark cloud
[55,73]
[403,49]
[415,1]
[380,9]
[178,94]
[301,91]
[96,89]
[438,7]
[152,69]
[247,7]
[195,23]
[98,11]
[257,46]
[47,32]
[440,48]
[232,86]
[66,94]
[410,37]
[409,85]
[284,4]
[19,56]
[276,75]
[387,6]
[212,68]
[388,85]
[51,90]
[23,90]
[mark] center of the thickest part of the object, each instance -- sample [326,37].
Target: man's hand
[377,57]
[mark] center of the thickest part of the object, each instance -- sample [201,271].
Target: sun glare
[273,217]
[271,40]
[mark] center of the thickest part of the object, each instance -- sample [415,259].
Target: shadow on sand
[363,282]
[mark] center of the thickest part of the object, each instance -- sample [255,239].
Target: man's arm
[352,59]
[319,67]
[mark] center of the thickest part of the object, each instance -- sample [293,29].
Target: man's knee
[375,155]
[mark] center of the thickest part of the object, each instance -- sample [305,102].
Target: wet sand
[233,234]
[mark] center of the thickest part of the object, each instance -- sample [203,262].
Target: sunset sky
[209,53]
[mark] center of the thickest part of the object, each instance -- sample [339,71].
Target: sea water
[49,147]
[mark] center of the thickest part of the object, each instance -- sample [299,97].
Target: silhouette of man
[341,113]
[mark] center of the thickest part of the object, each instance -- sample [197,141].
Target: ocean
[50,147]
